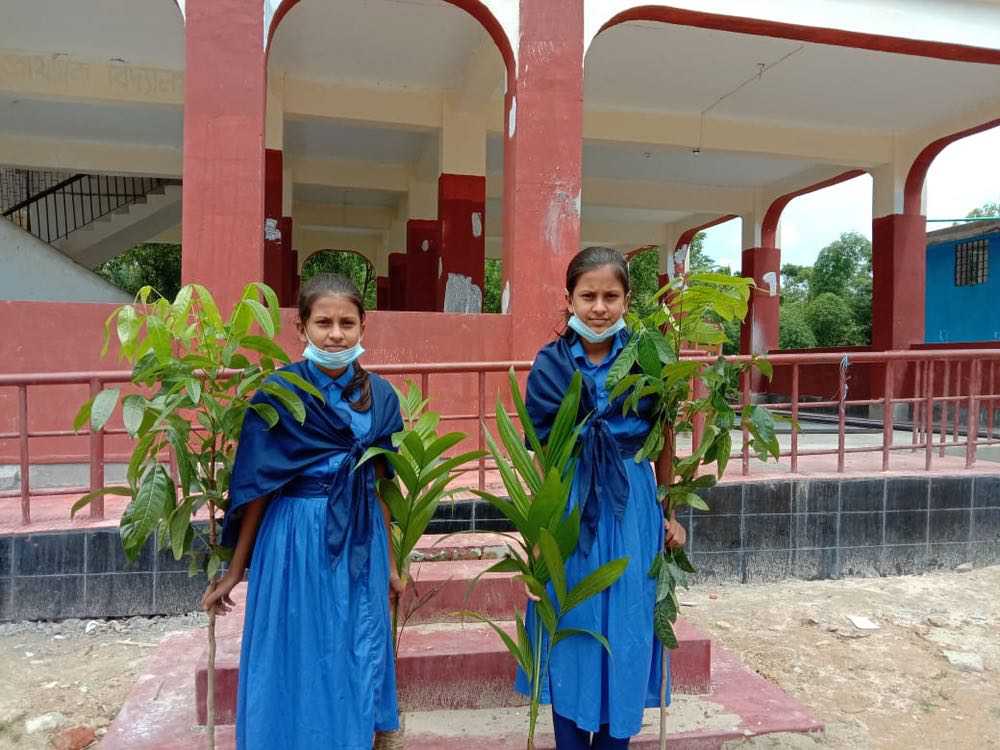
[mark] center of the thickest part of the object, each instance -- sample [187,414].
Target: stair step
[159,712]
[440,589]
[451,665]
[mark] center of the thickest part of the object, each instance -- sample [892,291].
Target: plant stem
[664,666]
[536,683]
[210,697]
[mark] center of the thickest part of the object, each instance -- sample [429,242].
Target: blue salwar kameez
[586,686]
[316,664]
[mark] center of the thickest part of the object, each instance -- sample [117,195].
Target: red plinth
[462,213]
[423,264]
[759,333]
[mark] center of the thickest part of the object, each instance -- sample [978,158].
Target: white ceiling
[145,124]
[140,32]
[663,67]
[345,196]
[331,139]
[418,44]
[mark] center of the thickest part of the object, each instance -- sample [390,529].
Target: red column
[423,263]
[898,281]
[273,239]
[397,281]
[462,213]
[759,333]
[542,165]
[288,271]
[383,293]
[224,95]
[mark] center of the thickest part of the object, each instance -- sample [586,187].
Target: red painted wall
[273,249]
[898,278]
[397,281]
[62,337]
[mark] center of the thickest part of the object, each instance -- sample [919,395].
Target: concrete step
[443,665]
[160,713]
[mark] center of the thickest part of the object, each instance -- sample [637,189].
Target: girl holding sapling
[598,700]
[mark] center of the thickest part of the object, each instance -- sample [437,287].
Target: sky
[964,176]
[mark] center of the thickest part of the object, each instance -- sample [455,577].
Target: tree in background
[491,285]
[793,330]
[355,267]
[829,318]
[154,264]
[987,209]
[795,283]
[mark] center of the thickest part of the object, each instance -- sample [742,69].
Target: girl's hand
[217,595]
[397,585]
[676,534]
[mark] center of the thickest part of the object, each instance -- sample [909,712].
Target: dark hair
[334,285]
[592,258]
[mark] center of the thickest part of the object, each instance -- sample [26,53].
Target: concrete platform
[440,665]
[160,712]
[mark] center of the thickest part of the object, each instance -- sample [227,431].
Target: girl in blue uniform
[597,701]
[316,666]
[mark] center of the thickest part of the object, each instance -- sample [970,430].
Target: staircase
[91,218]
[455,678]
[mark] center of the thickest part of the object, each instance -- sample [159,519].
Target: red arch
[689,235]
[918,170]
[817,35]
[769,227]
[475,8]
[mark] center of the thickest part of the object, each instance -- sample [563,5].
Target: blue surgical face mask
[331,360]
[595,337]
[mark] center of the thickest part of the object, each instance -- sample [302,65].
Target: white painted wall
[32,270]
[953,21]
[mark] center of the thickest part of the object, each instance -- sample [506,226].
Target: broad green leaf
[519,455]
[127,324]
[625,360]
[682,561]
[193,389]
[83,415]
[522,413]
[180,529]
[150,506]
[262,316]
[523,660]
[663,628]
[596,582]
[133,411]
[94,494]
[103,407]
[649,357]
[266,412]
[214,564]
[288,399]
[265,346]
[300,382]
[442,444]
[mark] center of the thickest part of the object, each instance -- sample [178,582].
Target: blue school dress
[584,685]
[316,666]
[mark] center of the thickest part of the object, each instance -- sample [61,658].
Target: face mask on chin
[331,360]
[589,334]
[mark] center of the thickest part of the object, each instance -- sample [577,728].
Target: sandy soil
[890,688]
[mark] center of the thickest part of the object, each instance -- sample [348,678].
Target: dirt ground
[890,688]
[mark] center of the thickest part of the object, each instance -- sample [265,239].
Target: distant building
[963,283]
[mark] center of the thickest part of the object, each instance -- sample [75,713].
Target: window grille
[971,263]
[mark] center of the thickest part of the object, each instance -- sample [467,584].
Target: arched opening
[385,153]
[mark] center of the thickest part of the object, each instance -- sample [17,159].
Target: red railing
[922,380]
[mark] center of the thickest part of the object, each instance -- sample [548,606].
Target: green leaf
[300,382]
[154,500]
[442,444]
[682,561]
[554,563]
[523,659]
[193,388]
[564,633]
[765,367]
[649,357]
[94,494]
[565,420]
[83,415]
[180,528]
[262,316]
[663,627]
[595,583]
[288,399]
[266,412]
[133,411]
[127,325]
[265,346]
[103,407]
[522,413]
[214,564]
[625,360]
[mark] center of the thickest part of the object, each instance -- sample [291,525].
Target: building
[431,134]
[963,262]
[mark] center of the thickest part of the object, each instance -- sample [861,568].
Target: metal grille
[971,263]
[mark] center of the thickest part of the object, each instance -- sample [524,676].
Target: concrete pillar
[899,262]
[542,168]
[423,264]
[462,214]
[273,246]
[761,260]
[397,281]
[224,113]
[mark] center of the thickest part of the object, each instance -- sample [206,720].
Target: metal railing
[72,204]
[927,382]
